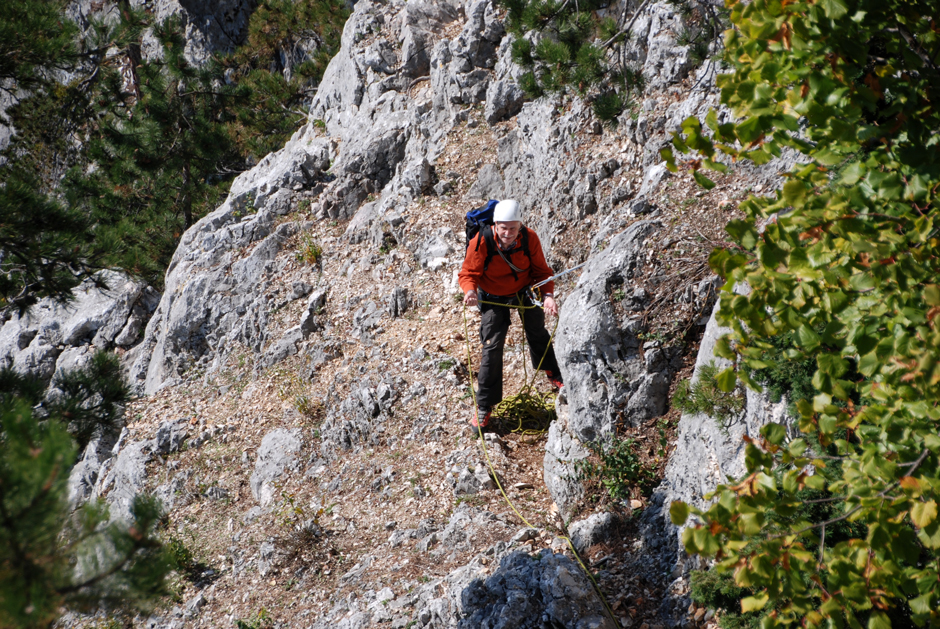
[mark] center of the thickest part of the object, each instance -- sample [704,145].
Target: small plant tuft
[704,396]
[619,468]
[309,407]
[310,250]
[261,620]
[717,590]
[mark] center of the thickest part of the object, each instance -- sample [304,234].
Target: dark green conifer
[161,162]
[51,557]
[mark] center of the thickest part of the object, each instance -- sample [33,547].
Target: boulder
[532,592]
[358,419]
[277,455]
[604,363]
[592,530]
[489,184]
[503,99]
[170,436]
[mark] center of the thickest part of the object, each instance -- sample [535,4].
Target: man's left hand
[550,306]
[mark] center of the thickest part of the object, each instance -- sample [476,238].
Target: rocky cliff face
[209,27]
[304,374]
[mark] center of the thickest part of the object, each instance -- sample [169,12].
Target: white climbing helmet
[507,210]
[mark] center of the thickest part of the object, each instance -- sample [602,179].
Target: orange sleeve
[472,269]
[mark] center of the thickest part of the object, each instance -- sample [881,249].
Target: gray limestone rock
[433,251]
[595,528]
[398,302]
[140,314]
[503,99]
[169,493]
[194,604]
[605,373]
[601,358]
[285,346]
[358,419]
[420,20]
[652,46]
[356,572]
[126,478]
[208,27]
[705,455]
[38,359]
[365,318]
[310,318]
[53,337]
[533,592]
[562,452]
[489,184]
[170,436]
[84,474]
[212,297]
[277,455]
[467,483]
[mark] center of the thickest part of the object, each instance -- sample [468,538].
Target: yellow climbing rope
[530,410]
[528,406]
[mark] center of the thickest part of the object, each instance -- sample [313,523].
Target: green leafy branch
[842,258]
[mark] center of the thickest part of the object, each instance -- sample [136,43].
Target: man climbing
[501,262]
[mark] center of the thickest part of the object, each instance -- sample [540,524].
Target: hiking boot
[481,420]
[555,380]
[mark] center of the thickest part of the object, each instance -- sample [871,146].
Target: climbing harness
[532,411]
[526,401]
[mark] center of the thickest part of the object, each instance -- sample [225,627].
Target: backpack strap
[524,238]
[480,237]
[486,235]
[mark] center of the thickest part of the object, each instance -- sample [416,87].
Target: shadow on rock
[541,592]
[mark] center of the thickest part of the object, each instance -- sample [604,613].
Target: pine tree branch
[75,587]
[626,29]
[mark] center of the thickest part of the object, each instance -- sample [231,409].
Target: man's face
[507,231]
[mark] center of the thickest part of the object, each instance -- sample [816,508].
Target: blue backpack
[480,221]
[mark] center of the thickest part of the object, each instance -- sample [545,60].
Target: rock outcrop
[612,376]
[707,453]
[208,27]
[215,295]
[106,312]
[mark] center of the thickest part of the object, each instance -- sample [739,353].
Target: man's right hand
[470,299]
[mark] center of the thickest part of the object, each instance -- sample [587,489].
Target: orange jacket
[498,279]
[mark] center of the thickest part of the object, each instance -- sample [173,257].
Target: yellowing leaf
[923,513]
[754,603]
[911,486]
[932,294]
